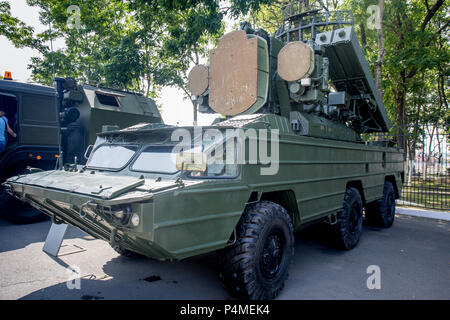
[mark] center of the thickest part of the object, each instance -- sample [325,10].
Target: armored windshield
[156,159]
[113,157]
[163,159]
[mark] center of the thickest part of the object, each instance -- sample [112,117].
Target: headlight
[120,213]
[135,219]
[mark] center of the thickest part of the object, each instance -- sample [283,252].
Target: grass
[431,182]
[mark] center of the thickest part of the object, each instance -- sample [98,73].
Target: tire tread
[236,261]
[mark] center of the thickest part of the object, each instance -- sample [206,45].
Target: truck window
[107,99]
[156,159]
[112,157]
[218,165]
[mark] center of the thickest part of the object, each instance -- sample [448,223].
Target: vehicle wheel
[256,265]
[17,211]
[126,253]
[347,230]
[381,213]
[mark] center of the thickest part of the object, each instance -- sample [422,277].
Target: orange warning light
[8,76]
[39,157]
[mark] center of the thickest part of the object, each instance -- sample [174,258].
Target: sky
[175,109]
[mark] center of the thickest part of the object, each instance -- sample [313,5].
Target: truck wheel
[16,211]
[126,253]
[256,265]
[347,230]
[381,213]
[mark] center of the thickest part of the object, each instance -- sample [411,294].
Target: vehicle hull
[180,218]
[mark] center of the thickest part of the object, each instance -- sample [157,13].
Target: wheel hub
[354,218]
[390,206]
[272,255]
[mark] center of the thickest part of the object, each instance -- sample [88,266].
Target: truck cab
[32,114]
[59,122]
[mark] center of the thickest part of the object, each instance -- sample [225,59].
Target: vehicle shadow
[318,271]
[144,278]
[14,237]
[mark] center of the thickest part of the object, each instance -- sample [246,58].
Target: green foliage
[268,18]
[416,61]
[15,30]
[142,45]
[415,69]
[191,29]
[137,45]
[269,15]
[104,50]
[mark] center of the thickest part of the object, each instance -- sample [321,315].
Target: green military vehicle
[288,153]
[59,123]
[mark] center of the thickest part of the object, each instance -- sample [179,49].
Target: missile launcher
[312,71]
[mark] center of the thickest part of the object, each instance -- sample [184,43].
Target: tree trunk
[380,60]
[400,94]
[381,50]
[400,101]
[363,35]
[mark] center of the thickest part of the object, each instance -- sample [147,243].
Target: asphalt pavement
[411,261]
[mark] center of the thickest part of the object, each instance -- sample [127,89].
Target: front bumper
[89,215]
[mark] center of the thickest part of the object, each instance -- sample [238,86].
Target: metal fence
[427,182]
[427,165]
[427,171]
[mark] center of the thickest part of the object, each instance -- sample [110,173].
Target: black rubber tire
[126,253]
[381,213]
[347,230]
[17,211]
[244,265]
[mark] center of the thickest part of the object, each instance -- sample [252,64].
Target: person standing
[4,127]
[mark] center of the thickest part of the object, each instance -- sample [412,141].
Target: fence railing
[427,166]
[433,193]
[427,182]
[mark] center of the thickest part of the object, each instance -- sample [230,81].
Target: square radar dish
[234,74]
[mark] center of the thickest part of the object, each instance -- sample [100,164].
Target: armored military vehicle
[59,124]
[286,153]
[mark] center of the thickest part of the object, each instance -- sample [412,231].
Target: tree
[142,45]
[192,29]
[15,30]
[412,36]
[381,50]
[191,32]
[102,49]
[136,45]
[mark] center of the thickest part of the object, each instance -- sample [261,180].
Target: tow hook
[81,213]
[57,220]
[332,219]
[117,238]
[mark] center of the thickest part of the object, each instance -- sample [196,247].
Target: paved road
[413,256]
